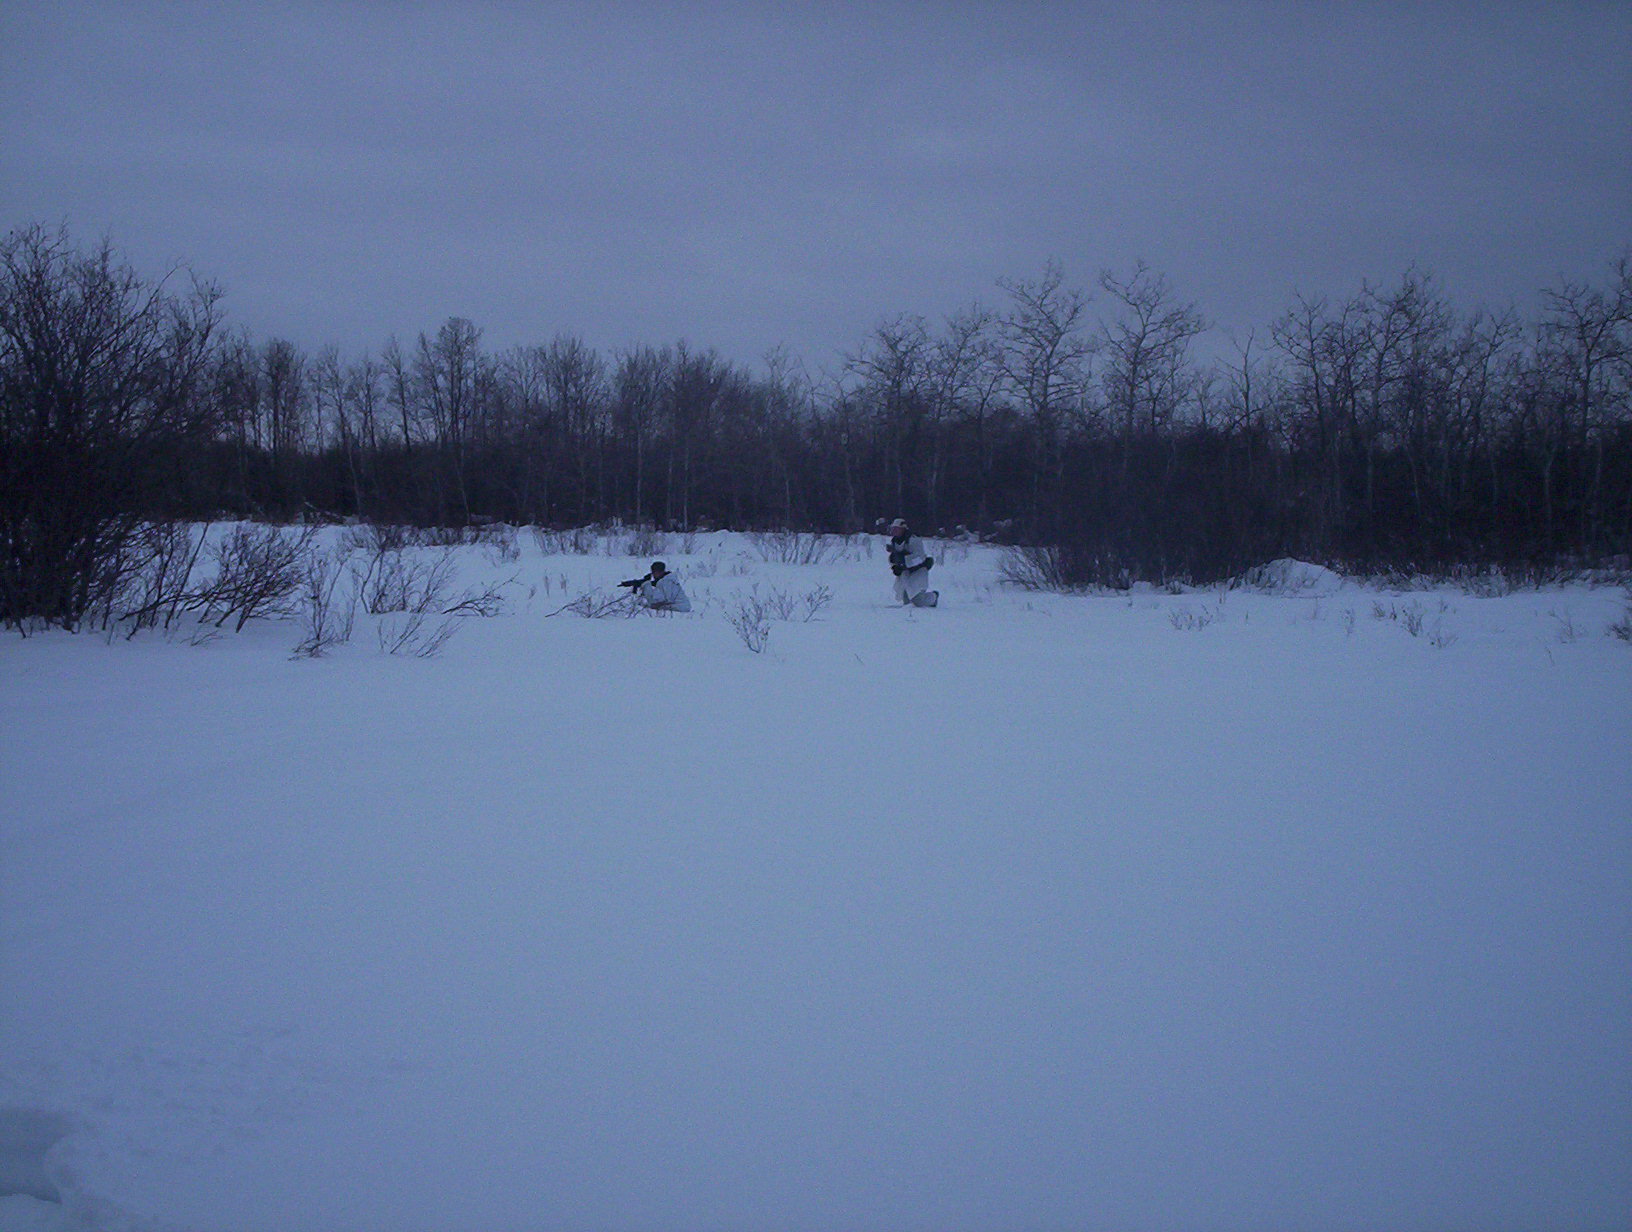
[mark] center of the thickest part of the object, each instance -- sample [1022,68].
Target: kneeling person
[910,564]
[661,590]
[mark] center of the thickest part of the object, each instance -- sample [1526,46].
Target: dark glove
[896,569]
[928,561]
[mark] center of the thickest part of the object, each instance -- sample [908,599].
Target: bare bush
[748,617]
[376,538]
[1568,631]
[788,547]
[158,588]
[395,581]
[1189,618]
[646,541]
[484,601]
[815,600]
[414,633]
[258,569]
[1413,618]
[578,542]
[598,605]
[328,623]
[417,624]
[779,604]
[500,545]
[444,536]
[1622,628]
[1036,567]
[751,612]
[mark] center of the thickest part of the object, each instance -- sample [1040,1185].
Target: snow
[1217,910]
[1288,576]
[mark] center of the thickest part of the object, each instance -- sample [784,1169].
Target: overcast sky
[743,175]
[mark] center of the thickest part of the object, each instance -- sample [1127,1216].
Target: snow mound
[1291,577]
[27,1139]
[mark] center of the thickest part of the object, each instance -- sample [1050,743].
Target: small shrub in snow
[1568,632]
[500,545]
[748,617]
[414,633]
[579,542]
[787,547]
[258,569]
[410,596]
[1070,569]
[645,541]
[1492,583]
[598,605]
[779,604]
[443,536]
[157,588]
[1622,628]
[751,614]
[1188,618]
[815,600]
[1034,568]
[481,600]
[328,623]
[1413,618]
[394,581]
[375,538]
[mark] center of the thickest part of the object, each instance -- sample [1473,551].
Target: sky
[747,176]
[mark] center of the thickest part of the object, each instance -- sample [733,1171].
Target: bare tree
[449,375]
[1587,336]
[637,400]
[1145,376]
[575,385]
[1044,351]
[893,370]
[696,388]
[966,372]
[102,379]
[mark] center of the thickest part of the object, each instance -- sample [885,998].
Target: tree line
[1386,430]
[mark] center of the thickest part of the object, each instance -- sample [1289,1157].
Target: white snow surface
[1219,910]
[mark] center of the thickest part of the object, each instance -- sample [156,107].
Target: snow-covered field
[1221,910]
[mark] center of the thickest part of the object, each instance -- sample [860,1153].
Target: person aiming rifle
[911,565]
[659,590]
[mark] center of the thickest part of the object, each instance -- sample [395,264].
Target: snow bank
[1292,577]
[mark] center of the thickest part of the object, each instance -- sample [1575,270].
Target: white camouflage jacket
[666,593]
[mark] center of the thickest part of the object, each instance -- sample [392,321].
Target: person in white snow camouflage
[910,564]
[661,591]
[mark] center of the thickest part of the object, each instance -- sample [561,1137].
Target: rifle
[634,582]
